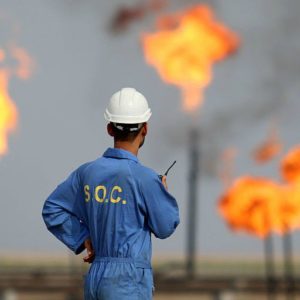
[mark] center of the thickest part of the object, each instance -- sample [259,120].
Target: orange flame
[290,207]
[8,113]
[290,165]
[260,206]
[252,204]
[269,149]
[8,110]
[184,49]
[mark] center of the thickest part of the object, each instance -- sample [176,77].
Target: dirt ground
[224,296]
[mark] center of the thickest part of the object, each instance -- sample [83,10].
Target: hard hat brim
[127,119]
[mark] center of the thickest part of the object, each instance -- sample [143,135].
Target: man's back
[118,203]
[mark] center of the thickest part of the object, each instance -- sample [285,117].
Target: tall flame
[184,49]
[8,110]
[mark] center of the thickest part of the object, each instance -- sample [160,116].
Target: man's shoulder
[85,166]
[142,171]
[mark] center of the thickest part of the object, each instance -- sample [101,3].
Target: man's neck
[130,147]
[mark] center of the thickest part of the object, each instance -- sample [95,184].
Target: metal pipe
[192,200]
[269,261]
[288,266]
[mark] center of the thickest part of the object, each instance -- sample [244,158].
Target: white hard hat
[127,106]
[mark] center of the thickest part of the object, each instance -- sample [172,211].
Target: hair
[126,132]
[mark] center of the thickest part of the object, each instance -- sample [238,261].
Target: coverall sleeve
[161,207]
[62,214]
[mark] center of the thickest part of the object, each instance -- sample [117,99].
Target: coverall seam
[136,181]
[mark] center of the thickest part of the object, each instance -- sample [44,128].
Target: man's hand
[89,258]
[164,181]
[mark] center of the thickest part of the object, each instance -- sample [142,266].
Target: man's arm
[162,208]
[62,214]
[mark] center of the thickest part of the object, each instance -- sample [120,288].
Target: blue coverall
[117,203]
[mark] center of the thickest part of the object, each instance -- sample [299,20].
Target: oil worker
[112,205]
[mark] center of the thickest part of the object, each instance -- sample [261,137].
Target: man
[111,206]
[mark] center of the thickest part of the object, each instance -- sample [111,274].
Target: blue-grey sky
[79,64]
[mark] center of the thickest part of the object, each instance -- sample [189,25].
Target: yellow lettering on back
[112,199]
[97,190]
[87,193]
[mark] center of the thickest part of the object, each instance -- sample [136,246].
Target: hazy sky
[79,64]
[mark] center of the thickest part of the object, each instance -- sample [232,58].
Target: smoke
[216,129]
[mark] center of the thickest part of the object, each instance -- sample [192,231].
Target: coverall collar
[120,153]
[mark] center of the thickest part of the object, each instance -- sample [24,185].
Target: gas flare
[290,207]
[8,110]
[252,204]
[290,165]
[184,49]
[261,206]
